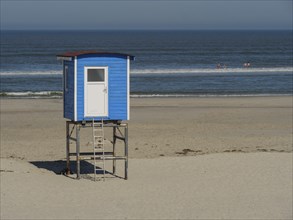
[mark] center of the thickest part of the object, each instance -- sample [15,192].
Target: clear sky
[120,14]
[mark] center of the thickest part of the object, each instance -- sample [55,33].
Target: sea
[167,63]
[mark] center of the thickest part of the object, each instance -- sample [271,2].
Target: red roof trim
[78,53]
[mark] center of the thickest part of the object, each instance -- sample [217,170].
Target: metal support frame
[117,134]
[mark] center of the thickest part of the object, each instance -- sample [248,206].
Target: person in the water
[247,64]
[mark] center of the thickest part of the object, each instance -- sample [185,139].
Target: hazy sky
[198,14]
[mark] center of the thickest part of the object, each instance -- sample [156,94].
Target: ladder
[98,148]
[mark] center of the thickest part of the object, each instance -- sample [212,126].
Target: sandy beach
[190,158]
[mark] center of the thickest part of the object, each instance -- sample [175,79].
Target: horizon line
[148,29]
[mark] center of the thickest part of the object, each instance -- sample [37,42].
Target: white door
[95,91]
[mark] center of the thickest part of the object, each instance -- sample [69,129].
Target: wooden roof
[85,52]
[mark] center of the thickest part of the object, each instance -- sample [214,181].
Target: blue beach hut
[96,85]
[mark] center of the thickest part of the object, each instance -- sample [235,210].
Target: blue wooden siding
[69,94]
[117,84]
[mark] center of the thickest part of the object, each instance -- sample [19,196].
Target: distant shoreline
[59,95]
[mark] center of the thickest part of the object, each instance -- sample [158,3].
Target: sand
[190,158]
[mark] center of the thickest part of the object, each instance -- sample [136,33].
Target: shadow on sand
[59,166]
[86,169]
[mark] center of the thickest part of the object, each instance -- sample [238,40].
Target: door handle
[105,90]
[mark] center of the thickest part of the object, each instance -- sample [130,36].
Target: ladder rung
[110,158]
[98,123]
[98,133]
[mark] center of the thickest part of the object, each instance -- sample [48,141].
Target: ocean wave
[59,94]
[31,73]
[42,94]
[210,70]
[203,95]
[160,71]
